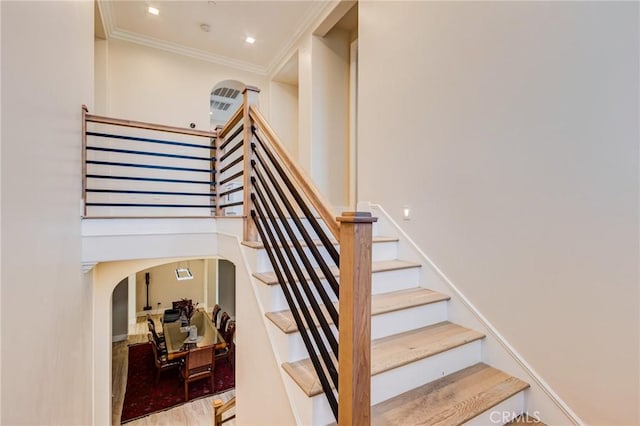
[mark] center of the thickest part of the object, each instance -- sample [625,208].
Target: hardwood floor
[198,412]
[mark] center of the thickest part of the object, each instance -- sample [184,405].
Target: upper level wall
[47,69]
[511,130]
[152,85]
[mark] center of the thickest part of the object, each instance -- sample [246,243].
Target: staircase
[424,369]
[387,342]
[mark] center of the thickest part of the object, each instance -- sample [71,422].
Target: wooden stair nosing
[393,351]
[269,278]
[376,239]
[451,400]
[380,304]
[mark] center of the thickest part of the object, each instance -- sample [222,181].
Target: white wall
[151,85]
[211,266]
[330,115]
[47,69]
[283,99]
[511,129]
[164,288]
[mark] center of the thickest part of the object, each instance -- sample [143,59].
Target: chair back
[152,329]
[214,315]
[154,347]
[199,360]
[224,318]
[231,331]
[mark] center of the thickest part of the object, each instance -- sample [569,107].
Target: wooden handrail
[297,174]
[149,126]
[235,118]
[219,409]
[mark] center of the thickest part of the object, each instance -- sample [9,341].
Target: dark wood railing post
[250,94]
[354,355]
[216,166]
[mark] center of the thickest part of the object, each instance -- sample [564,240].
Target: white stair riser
[307,226]
[291,346]
[397,279]
[384,250]
[402,379]
[390,323]
[502,413]
[273,299]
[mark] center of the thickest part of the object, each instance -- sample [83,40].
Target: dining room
[175,357]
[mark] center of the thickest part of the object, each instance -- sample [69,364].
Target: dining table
[177,336]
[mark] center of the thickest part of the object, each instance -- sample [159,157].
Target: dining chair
[229,350]
[224,318]
[214,315]
[162,363]
[199,364]
[161,344]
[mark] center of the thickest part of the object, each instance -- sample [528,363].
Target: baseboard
[119,338]
[511,351]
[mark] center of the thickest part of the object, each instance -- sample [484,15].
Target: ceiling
[274,24]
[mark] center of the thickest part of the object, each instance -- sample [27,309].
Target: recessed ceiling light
[250,40]
[153,11]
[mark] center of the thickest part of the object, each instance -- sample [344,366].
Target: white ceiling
[274,24]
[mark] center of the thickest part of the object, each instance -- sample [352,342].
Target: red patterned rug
[144,397]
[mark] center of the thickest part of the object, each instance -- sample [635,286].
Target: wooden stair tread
[451,400]
[393,351]
[270,278]
[375,239]
[380,304]
[525,419]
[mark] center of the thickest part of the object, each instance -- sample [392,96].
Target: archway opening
[149,290]
[225,99]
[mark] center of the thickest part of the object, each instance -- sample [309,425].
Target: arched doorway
[153,289]
[225,99]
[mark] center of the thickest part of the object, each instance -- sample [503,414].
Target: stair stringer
[258,371]
[540,398]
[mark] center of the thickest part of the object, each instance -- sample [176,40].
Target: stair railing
[283,209]
[219,409]
[133,168]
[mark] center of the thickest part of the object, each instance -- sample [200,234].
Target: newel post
[354,356]
[250,94]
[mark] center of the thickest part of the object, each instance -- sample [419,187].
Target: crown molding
[119,34]
[88,266]
[320,9]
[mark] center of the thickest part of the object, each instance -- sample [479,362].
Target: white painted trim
[286,51]
[120,34]
[88,266]
[119,338]
[510,349]
[131,308]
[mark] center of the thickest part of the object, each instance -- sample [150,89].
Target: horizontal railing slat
[150,140]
